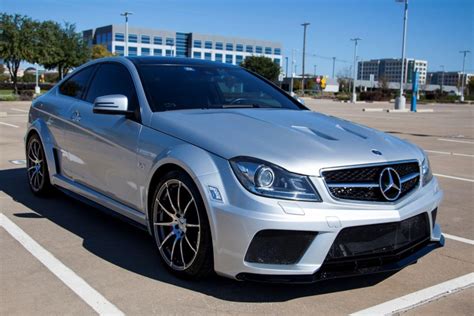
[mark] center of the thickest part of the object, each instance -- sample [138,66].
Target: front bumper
[327,272]
[237,219]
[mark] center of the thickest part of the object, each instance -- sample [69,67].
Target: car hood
[300,141]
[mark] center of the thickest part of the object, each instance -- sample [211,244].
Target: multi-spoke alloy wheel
[177,224]
[37,169]
[180,226]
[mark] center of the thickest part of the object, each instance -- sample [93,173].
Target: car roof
[158,60]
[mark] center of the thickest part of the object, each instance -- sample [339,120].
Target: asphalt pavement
[59,256]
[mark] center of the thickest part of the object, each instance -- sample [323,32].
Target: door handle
[76,116]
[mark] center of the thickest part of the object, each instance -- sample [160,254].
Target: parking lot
[115,266]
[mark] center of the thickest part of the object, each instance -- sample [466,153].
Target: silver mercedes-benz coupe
[230,174]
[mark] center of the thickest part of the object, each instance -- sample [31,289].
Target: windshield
[179,87]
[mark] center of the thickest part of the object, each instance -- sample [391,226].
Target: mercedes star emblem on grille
[390,184]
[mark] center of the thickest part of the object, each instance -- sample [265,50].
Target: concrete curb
[372,110]
[398,111]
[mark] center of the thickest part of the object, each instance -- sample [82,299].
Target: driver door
[104,145]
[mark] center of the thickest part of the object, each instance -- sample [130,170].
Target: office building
[447,78]
[391,69]
[151,42]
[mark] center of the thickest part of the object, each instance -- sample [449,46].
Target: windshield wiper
[236,106]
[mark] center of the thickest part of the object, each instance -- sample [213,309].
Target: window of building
[268,50]
[277,61]
[113,78]
[208,44]
[277,51]
[169,53]
[132,51]
[239,47]
[169,41]
[197,55]
[157,40]
[207,56]
[229,46]
[145,51]
[119,37]
[219,45]
[145,39]
[133,38]
[119,50]
[228,59]
[249,49]
[76,85]
[239,59]
[157,52]
[258,49]
[197,44]
[109,37]
[218,57]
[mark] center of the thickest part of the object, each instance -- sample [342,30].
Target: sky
[437,29]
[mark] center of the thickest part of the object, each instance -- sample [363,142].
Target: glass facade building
[147,42]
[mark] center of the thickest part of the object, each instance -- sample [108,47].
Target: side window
[113,79]
[77,84]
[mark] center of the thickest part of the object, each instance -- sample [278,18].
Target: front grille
[362,183]
[279,246]
[379,239]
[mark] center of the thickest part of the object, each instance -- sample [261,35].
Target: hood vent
[311,131]
[351,131]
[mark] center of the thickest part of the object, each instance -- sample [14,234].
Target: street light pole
[286,59]
[305,25]
[314,70]
[442,79]
[37,87]
[354,70]
[292,67]
[126,14]
[333,65]
[400,101]
[463,75]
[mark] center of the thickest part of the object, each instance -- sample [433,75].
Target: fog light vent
[279,246]
[433,216]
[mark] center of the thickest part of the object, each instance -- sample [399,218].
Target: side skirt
[100,201]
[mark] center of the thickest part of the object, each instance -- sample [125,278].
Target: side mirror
[111,104]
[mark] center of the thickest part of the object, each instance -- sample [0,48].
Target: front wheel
[181,227]
[37,168]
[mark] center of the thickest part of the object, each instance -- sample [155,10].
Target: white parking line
[416,299]
[19,110]
[11,125]
[454,178]
[448,153]
[461,239]
[93,298]
[456,141]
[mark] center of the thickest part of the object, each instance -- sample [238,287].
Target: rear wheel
[37,168]
[181,227]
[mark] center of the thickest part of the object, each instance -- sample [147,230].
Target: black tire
[176,231]
[37,167]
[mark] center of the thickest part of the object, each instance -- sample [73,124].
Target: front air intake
[279,246]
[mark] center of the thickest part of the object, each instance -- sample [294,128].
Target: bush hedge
[25,86]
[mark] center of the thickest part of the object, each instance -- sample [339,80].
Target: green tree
[72,50]
[263,66]
[100,51]
[50,35]
[18,42]
[470,86]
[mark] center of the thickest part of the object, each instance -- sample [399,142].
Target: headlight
[268,180]
[426,171]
